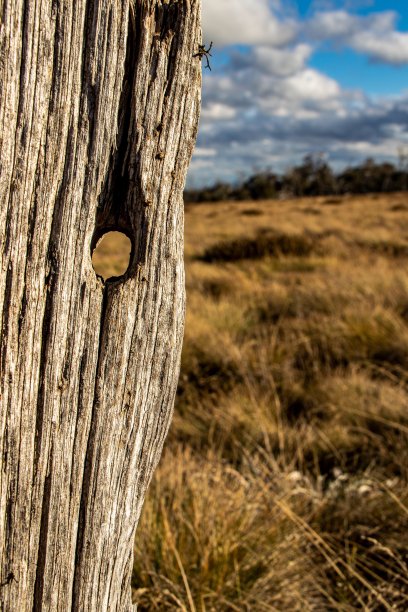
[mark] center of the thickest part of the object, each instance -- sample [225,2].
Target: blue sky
[297,77]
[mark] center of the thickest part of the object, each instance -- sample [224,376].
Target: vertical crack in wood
[5,317]
[42,551]
[89,456]
[111,214]
[50,285]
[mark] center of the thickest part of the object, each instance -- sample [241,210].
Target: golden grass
[283,485]
[111,255]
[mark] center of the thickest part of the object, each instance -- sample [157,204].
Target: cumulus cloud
[246,22]
[392,48]
[311,86]
[279,62]
[373,35]
[332,24]
[264,23]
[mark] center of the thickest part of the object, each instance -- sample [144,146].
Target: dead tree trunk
[99,104]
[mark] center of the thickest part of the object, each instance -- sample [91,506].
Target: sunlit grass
[283,485]
[111,255]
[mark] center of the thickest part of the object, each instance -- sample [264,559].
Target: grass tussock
[283,485]
[399,207]
[251,212]
[334,201]
[387,247]
[264,244]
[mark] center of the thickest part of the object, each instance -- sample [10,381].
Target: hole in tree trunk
[111,254]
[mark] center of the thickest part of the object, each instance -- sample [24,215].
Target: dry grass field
[283,485]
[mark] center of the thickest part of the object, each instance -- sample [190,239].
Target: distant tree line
[313,177]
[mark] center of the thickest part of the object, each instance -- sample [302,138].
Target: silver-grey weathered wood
[99,105]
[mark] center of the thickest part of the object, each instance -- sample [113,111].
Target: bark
[99,105]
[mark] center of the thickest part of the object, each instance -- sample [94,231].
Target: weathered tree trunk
[99,104]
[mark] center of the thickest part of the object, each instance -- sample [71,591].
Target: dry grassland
[283,485]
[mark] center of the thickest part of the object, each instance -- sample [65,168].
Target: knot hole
[111,254]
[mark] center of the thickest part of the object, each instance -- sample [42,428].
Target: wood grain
[99,107]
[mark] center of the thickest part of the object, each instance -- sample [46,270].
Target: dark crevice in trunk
[51,281]
[23,68]
[121,194]
[57,52]
[112,210]
[90,90]
[88,463]
[42,550]
[50,285]
[5,319]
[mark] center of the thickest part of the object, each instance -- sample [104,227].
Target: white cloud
[373,35]
[312,86]
[332,24]
[217,110]
[282,62]
[245,22]
[203,152]
[392,48]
